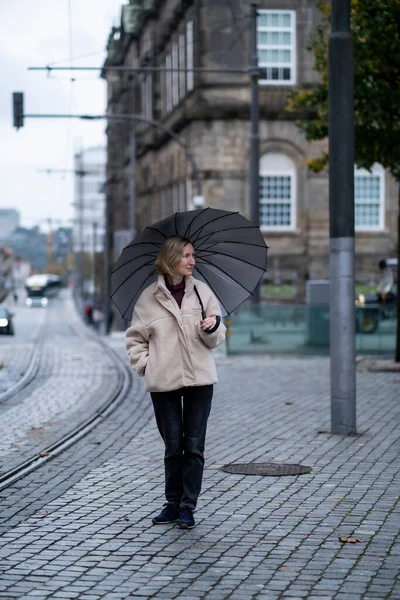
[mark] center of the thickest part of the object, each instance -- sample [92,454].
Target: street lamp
[18,122]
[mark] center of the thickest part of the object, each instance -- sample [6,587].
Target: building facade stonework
[209,109]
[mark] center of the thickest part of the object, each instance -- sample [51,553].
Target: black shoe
[186,519]
[169,514]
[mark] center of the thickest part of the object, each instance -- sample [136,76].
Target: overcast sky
[36,34]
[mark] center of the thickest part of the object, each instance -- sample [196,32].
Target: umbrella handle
[203,312]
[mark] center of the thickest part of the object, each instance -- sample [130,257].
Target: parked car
[6,323]
[381,305]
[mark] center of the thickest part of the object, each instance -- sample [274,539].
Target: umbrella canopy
[231,257]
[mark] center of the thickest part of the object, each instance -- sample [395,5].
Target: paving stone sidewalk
[74,378]
[86,531]
[14,363]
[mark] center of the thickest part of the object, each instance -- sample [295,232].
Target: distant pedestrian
[15,296]
[98,318]
[110,319]
[170,344]
[88,312]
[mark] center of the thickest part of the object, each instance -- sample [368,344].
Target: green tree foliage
[375,28]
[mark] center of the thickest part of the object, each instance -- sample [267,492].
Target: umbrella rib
[141,287]
[157,230]
[246,298]
[193,220]
[233,242]
[229,229]
[134,244]
[131,260]
[205,240]
[229,214]
[246,262]
[176,225]
[129,276]
[210,286]
[227,274]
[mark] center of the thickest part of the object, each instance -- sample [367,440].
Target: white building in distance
[89,213]
[9,221]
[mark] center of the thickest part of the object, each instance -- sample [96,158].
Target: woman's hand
[208,323]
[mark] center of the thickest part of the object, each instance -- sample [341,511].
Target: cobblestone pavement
[80,526]
[17,351]
[14,362]
[74,378]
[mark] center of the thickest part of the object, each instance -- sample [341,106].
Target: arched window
[369,194]
[277,191]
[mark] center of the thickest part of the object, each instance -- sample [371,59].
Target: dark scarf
[177,291]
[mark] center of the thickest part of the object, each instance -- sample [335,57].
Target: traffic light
[18,109]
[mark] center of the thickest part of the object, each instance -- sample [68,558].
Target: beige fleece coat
[166,344]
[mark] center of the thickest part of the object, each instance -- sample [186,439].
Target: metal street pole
[78,249]
[341,222]
[80,174]
[94,249]
[108,229]
[397,353]
[140,119]
[49,245]
[254,189]
[132,184]
[107,265]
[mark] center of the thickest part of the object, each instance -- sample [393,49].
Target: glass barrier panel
[301,329]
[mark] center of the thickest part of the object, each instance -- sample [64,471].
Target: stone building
[209,109]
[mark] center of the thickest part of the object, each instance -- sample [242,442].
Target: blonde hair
[170,254]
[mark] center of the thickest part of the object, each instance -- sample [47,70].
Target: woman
[170,343]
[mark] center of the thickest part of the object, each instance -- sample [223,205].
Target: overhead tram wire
[56,63]
[148,69]
[73,58]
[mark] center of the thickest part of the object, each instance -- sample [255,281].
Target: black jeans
[181,417]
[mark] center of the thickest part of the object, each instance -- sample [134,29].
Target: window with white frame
[190,54]
[163,203]
[163,88]
[189,204]
[369,193]
[182,66]
[178,76]
[277,191]
[147,97]
[175,197]
[182,195]
[143,97]
[175,75]
[168,83]
[276,45]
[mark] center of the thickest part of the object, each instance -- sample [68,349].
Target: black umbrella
[231,257]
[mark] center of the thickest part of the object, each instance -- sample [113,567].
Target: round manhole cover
[266,469]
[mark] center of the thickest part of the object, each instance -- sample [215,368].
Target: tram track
[119,392]
[27,377]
